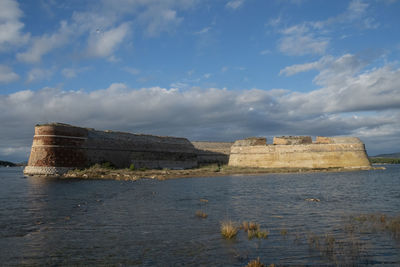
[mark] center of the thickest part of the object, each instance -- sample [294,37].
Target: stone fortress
[300,152]
[58,148]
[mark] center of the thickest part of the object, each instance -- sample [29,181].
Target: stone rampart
[292,140]
[58,147]
[212,152]
[326,152]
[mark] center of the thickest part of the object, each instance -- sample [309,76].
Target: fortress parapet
[58,148]
[300,152]
[292,140]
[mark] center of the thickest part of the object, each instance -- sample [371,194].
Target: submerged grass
[201,214]
[255,263]
[253,230]
[259,233]
[252,226]
[372,223]
[228,229]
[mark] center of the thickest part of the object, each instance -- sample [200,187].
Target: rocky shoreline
[98,172]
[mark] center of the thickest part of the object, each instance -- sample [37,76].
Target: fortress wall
[292,140]
[212,152]
[345,154]
[57,148]
[123,149]
[252,141]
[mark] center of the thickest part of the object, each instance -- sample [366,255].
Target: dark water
[148,222]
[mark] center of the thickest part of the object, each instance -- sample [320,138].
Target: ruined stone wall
[292,140]
[212,152]
[57,148]
[324,153]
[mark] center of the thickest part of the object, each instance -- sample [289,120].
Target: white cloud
[207,75]
[234,4]
[353,100]
[37,74]
[73,72]
[291,70]
[155,16]
[107,25]
[46,43]
[203,31]
[132,71]
[103,44]
[265,52]
[299,40]
[159,20]
[10,26]
[348,87]
[7,75]
[312,37]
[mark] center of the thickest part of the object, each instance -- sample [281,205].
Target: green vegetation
[253,230]
[7,163]
[391,155]
[108,165]
[132,167]
[384,160]
[258,233]
[107,170]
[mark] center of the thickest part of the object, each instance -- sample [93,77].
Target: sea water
[49,221]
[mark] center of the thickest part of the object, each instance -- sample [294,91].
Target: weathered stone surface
[57,147]
[212,152]
[342,152]
[251,141]
[292,140]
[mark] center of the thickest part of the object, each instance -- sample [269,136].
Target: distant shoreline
[99,173]
[384,160]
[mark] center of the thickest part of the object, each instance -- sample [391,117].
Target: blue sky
[206,70]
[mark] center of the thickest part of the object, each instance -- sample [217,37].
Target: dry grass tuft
[255,263]
[250,226]
[228,229]
[284,232]
[259,233]
[201,214]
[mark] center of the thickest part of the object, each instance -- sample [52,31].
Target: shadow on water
[47,221]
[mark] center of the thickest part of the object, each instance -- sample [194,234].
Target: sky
[217,70]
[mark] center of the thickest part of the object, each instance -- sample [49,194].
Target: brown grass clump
[259,233]
[228,229]
[255,263]
[250,226]
[201,214]
[284,232]
[375,223]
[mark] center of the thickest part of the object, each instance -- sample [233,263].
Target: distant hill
[7,163]
[392,155]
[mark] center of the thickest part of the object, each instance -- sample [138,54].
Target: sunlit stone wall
[325,152]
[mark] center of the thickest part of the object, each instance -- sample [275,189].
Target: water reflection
[147,222]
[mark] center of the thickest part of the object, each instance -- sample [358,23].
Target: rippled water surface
[46,221]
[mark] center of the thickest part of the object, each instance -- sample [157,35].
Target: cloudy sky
[202,69]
